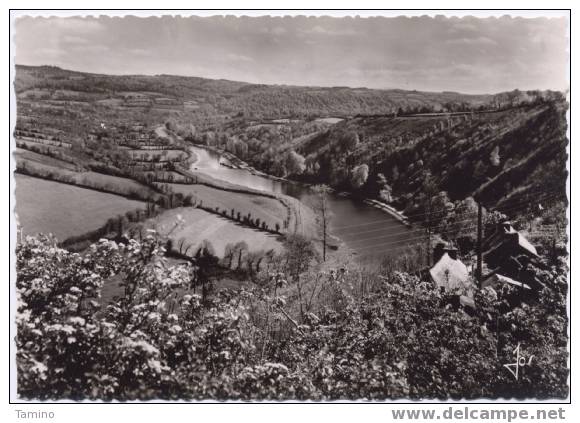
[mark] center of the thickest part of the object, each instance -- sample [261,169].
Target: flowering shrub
[160,340]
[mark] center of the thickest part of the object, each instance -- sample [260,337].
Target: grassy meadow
[64,210]
[140,154]
[198,225]
[266,209]
[42,160]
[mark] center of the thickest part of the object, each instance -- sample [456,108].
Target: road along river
[368,231]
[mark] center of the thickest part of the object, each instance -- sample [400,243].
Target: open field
[331,120]
[51,168]
[161,132]
[64,210]
[204,178]
[162,176]
[266,209]
[43,160]
[111,181]
[45,166]
[32,144]
[139,154]
[111,102]
[200,225]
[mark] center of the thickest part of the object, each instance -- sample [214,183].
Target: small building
[510,254]
[450,274]
[504,243]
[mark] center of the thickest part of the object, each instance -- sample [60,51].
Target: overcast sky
[469,55]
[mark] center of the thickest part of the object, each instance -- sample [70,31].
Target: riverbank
[390,210]
[353,221]
[193,157]
[298,219]
[235,162]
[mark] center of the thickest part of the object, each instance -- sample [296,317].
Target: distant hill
[232,98]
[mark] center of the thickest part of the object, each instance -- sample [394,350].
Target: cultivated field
[110,181]
[40,165]
[64,210]
[140,154]
[40,159]
[199,225]
[266,209]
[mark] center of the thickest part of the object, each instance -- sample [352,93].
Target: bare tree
[241,248]
[260,256]
[299,255]
[251,258]
[229,253]
[187,249]
[180,244]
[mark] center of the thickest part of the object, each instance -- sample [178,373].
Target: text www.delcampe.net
[469,413]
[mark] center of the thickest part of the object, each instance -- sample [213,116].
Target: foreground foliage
[402,338]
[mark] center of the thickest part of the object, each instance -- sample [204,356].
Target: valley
[309,238]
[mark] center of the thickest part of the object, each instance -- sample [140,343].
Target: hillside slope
[498,157]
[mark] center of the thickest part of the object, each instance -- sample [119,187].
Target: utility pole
[429,250]
[324,217]
[320,205]
[324,247]
[479,245]
[555,235]
[429,245]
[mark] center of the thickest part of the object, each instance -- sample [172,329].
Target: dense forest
[503,155]
[494,156]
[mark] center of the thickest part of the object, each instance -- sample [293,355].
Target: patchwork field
[140,154]
[268,210]
[64,210]
[199,225]
[110,181]
[57,169]
[32,144]
[42,160]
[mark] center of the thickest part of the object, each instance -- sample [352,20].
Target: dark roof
[505,233]
[496,279]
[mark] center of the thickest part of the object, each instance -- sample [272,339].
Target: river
[368,231]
